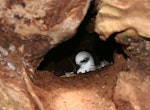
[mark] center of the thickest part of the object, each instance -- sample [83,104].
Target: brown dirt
[90,88]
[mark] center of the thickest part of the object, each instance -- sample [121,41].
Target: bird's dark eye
[85,60]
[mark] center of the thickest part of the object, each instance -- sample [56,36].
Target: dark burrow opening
[87,88]
[61,59]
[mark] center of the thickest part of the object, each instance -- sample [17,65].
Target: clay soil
[81,92]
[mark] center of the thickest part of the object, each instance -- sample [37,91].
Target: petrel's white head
[85,62]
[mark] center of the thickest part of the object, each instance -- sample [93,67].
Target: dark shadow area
[61,59]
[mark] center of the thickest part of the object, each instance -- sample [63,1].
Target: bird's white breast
[86,68]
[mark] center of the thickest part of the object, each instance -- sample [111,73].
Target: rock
[31,25]
[129,21]
[13,98]
[132,91]
[137,49]
[117,16]
[29,29]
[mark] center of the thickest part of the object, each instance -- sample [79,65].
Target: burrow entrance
[61,59]
[85,90]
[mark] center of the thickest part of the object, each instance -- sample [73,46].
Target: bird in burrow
[85,63]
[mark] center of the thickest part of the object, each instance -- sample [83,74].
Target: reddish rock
[13,98]
[119,15]
[129,20]
[29,29]
[132,91]
[31,25]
